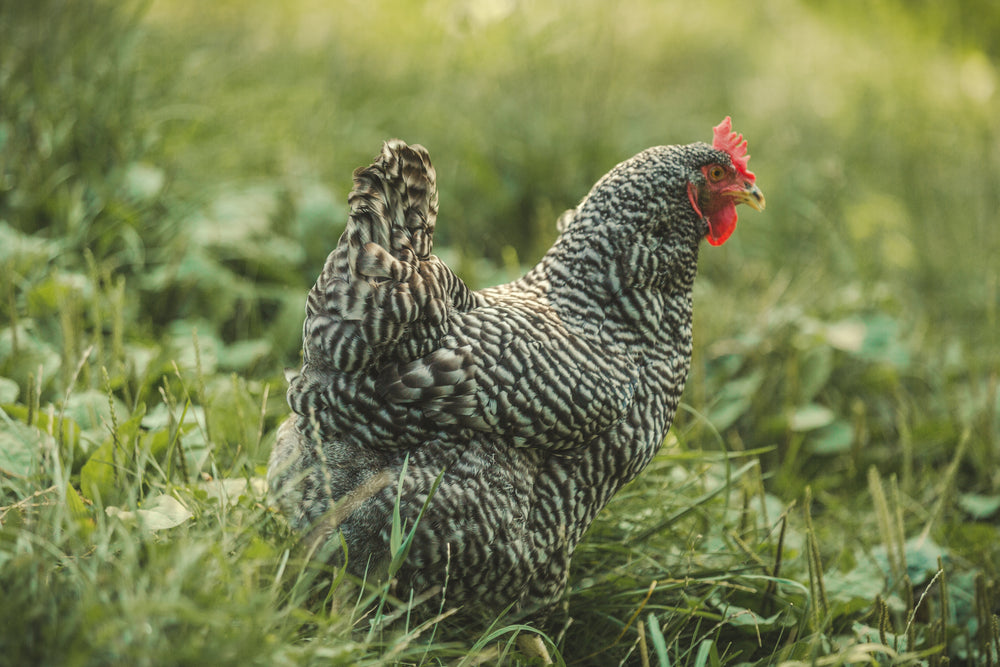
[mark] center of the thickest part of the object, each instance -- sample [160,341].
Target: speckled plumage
[538,399]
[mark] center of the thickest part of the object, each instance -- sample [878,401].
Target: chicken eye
[716,173]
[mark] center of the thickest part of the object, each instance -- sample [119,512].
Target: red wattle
[721,224]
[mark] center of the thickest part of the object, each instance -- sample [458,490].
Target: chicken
[509,415]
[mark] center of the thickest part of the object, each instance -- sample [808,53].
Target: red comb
[734,144]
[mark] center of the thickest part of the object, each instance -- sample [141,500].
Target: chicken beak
[749,195]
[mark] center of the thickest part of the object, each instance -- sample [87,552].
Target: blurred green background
[873,128]
[177,166]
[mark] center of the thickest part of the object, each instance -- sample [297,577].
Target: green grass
[172,176]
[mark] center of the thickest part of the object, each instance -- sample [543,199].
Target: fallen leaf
[158,513]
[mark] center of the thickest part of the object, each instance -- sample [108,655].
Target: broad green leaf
[815,368]
[979,506]
[847,335]
[20,448]
[854,589]
[882,341]
[871,635]
[156,442]
[161,417]
[59,288]
[31,355]
[141,357]
[70,435]
[78,511]
[922,555]
[143,181]
[734,400]
[195,345]
[162,437]
[20,253]
[97,476]
[98,479]
[9,390]
[243,354]
[811,417]
[834,438]
[91,409]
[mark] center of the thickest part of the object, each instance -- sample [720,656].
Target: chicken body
[531,403]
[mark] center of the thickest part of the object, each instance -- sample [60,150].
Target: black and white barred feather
[537,399]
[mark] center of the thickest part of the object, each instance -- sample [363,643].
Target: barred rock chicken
[534,401]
